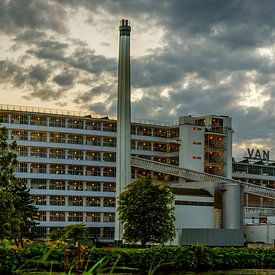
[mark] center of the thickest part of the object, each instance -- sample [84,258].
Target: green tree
[16,208]
[147,212]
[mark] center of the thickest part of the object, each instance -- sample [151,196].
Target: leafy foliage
[147,212]
[16,208]
[73,232]
[165,259]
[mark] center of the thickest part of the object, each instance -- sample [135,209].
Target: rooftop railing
[43,110]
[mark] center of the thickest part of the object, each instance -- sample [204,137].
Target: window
[75,123]
[160,132]
[94,232]
[93,140]
[196,129]
[93,171]
[93,217]
[38,120]
[93,201]
[109,187]
[38,136]
[19,119]
[57,153]
[108,156]
[38,184]
[57,200]
[39,232]
[21,167]
[57,137]
[109,126]
[160,147]
[75,201]
[57,122]
[108,217]
[109,202]
[57,216]
[108,233]
[93,186]
[93,125]
[4,118]
[75,217]
[144,145]
[109,172]
[57,169]
[57,184]
[196,143]
[75,170]
[19,135]
[93,155]
[144,131]
[39,200]
[75,185]
[109,141]
[41,216]
[75,139]
[75,154]
[22,151]
[196,157]
[38,152]
[38,168]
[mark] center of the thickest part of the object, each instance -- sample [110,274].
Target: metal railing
[172,170]
[52,111]
[260,211]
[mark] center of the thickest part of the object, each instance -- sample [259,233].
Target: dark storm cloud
[64,79]
[90,99]
[39,73]
[46,93]
[34,14]
[206,59]
[49,49]
[82,58]
[32,80]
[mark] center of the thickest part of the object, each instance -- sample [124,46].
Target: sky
[188,57]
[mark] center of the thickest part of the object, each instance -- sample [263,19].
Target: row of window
[253,169]
[72,185]
[111,126]
[75,216]
[57,137]
[90,140]
[74,201]
[59,153]
[106,233]
[43,168]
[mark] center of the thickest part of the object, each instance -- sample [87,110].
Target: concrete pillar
[231,206]
[123,162]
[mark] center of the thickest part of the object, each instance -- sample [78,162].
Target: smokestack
[123,162]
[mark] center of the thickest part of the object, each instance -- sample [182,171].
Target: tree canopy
[146,210]
[16,208]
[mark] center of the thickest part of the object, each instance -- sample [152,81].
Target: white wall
[190,216]
[260,233]
[187,150]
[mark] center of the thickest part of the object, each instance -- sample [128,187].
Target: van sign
[256,154]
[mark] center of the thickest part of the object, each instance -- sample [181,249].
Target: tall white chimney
[123,155]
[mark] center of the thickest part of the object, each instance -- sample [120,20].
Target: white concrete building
[68,160]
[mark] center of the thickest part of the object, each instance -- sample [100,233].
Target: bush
[165,259]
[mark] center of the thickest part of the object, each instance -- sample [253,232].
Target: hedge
[161,258]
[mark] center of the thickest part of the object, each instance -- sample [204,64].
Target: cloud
[15,15]
[64,79]
[39,73]
[209,53]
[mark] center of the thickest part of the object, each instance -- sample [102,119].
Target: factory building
[68,160]
[256,168]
